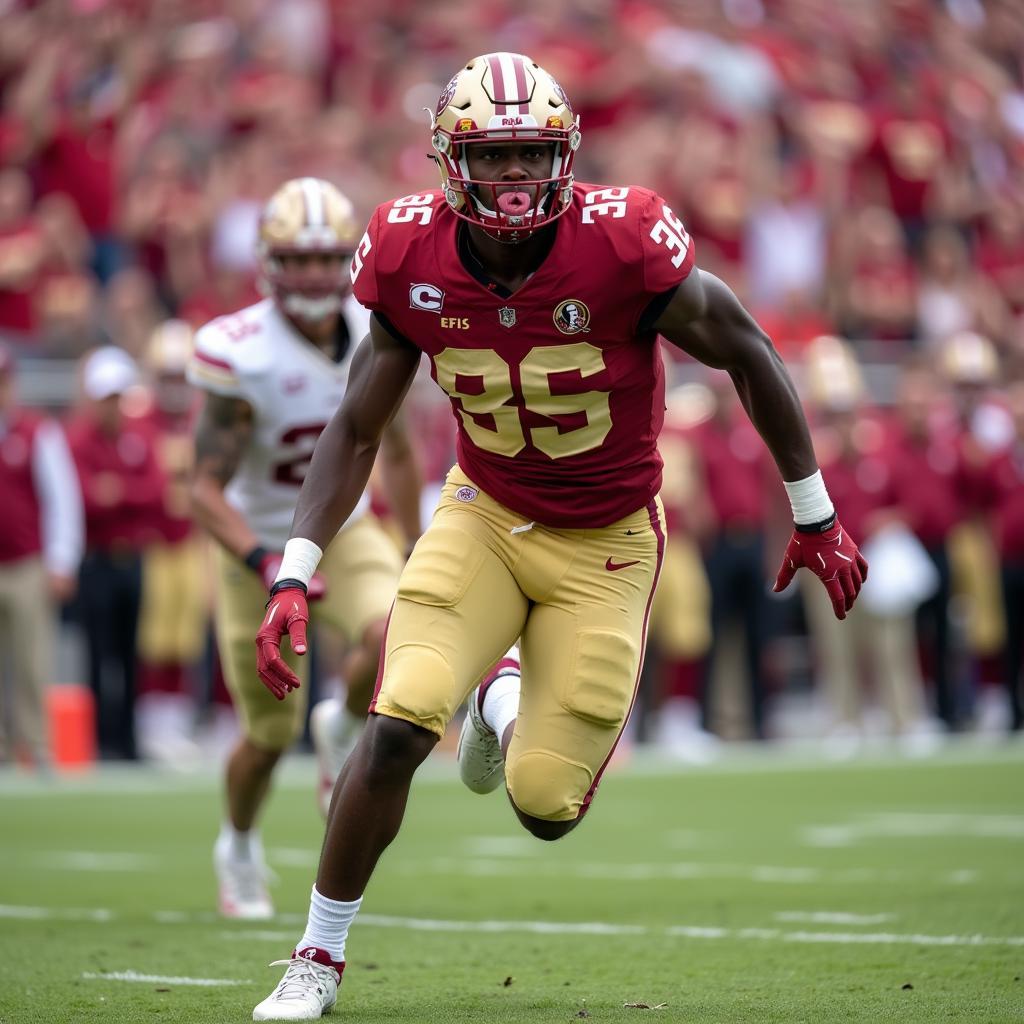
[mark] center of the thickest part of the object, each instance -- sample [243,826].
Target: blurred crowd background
[855,172]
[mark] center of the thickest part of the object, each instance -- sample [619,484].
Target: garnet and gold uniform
[550,526]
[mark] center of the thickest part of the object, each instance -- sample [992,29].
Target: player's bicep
[223,433]
[707,321]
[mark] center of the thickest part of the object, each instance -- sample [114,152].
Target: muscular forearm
[336,478]
[220,519]
[770,399]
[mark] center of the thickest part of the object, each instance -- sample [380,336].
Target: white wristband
[299,560]
[809,500]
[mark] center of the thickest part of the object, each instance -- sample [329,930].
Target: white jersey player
[292,387]
[273,374]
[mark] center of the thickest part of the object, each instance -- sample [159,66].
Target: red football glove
[267,564]
[833,557]
[287,612]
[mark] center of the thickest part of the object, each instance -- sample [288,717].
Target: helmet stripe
[515,82]
[522,92]
[498,83]
[313,197]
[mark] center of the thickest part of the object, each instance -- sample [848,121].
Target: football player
[274,374]
[538,302]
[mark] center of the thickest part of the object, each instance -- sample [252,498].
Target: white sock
[243,846]
[501,702]
[328,924]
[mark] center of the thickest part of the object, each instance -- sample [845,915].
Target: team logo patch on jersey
[466,494]
[572,317]
[426,296]
[507,316]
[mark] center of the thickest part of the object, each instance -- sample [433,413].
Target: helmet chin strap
[314,310]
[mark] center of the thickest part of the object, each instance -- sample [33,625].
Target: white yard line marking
[697,932]
[90,860]
[99,914]
[161,979]
[421,924]
[501,846]
[293,857]
[767,874]
[533,927]
[831,917]
[915,825]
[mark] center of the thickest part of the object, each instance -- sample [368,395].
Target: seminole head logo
[446,95]
[572,317]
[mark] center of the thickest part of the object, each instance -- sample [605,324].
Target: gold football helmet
[969,358]
[307,217]
[169,348]
[504,97]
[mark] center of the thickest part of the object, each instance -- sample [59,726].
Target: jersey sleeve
[666,250]
[211,367]
[364,265]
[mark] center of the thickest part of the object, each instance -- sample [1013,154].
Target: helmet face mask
[307,235]
[504,98]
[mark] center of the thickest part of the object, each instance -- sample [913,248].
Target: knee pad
[274,728]
[600,688]
[545,785]
[417,687]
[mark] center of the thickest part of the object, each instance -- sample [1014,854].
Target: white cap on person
[108,371]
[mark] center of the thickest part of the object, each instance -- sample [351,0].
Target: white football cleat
[335,732]
[308,990]
[242,887]
[481,764]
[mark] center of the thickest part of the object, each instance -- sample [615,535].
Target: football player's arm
[222,435]
[382,370]
[401,477]
[706,320]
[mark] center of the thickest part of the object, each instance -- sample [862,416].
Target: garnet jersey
[558,389]
[293,389]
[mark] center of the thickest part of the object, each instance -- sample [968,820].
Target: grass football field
[767,887]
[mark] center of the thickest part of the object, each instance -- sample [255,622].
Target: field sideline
[765,888]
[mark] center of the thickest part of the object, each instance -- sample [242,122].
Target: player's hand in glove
[266,564]
[287,612]
[833,557]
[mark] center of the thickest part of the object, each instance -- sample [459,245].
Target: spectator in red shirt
[929,488]
[1000,249]
[1004,495]
[123,491]
[72,127]
[850,444]
[40,547]
[681,613]
[66,299]
[911,149]
[22,254]
[175,595]
[952,295]
[733,462]
[876,291]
